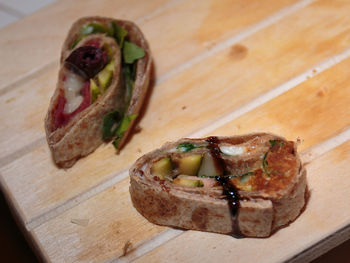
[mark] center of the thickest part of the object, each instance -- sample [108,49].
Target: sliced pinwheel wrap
[249,185]
[105,70]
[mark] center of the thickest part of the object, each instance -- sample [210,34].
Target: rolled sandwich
[103,79]
[248,185]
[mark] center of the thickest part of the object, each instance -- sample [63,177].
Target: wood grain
[34,42]
[194,98]
[313,225]
[160,20]
[212,58]
[109,228]
[307,94]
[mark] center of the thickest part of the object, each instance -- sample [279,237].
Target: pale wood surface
[222,68]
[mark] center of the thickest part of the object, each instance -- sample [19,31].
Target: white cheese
[232,150]
[72,89]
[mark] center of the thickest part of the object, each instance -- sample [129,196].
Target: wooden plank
[197,26]
[33,94]
[45,44]
[326,213]
[103,233]
[173,99]
[25,107]
[35,41]
[306,112]
[338,92]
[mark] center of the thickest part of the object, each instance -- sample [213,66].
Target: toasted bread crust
[83,134]
[260,212]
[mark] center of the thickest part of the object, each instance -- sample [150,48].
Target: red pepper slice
[61,118]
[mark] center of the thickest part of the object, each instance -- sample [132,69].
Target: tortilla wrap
[83,134]
[259,212]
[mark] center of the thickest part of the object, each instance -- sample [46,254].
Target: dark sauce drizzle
[229,190]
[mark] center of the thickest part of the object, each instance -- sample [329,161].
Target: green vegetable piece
[104,77]
[77,41]
[92,28]
[110,125]
[95,91]
[188,182]
[131,52]
[240,175]
[272,142]
[128,80]
[110,66]
[189,165]
[228,176]
[125,124]
[209,176]
[123,127]
[162,168]
[119,34]
[265,165]
[185,147]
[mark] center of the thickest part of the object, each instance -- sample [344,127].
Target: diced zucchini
[162,168]
[188,182]
[189,165]
[95,92]
[104,77]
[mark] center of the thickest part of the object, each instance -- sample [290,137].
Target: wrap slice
[248,185]
[103,80]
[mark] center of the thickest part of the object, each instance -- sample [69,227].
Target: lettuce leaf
[119,34]
[132,52]
[110,125]
[123,127]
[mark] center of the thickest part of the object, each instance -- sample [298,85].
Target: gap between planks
[114,178]
[307,156]
[323,246]
[36,72]
[315,151]
[177,70]
[200,57]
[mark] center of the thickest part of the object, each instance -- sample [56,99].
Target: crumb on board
[80,222]
[127,247]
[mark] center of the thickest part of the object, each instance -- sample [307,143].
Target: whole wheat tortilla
[83,133]
[260,213]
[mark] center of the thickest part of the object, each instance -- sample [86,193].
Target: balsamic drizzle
[229,190]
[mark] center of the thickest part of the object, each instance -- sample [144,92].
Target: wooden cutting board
[222,68]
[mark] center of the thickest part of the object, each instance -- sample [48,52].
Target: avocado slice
[104,77]
[162,168]
[209,167]
[188,182]
[189,165]
[95,92]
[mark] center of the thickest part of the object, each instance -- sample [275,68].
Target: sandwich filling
[89,71]
[267,168]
